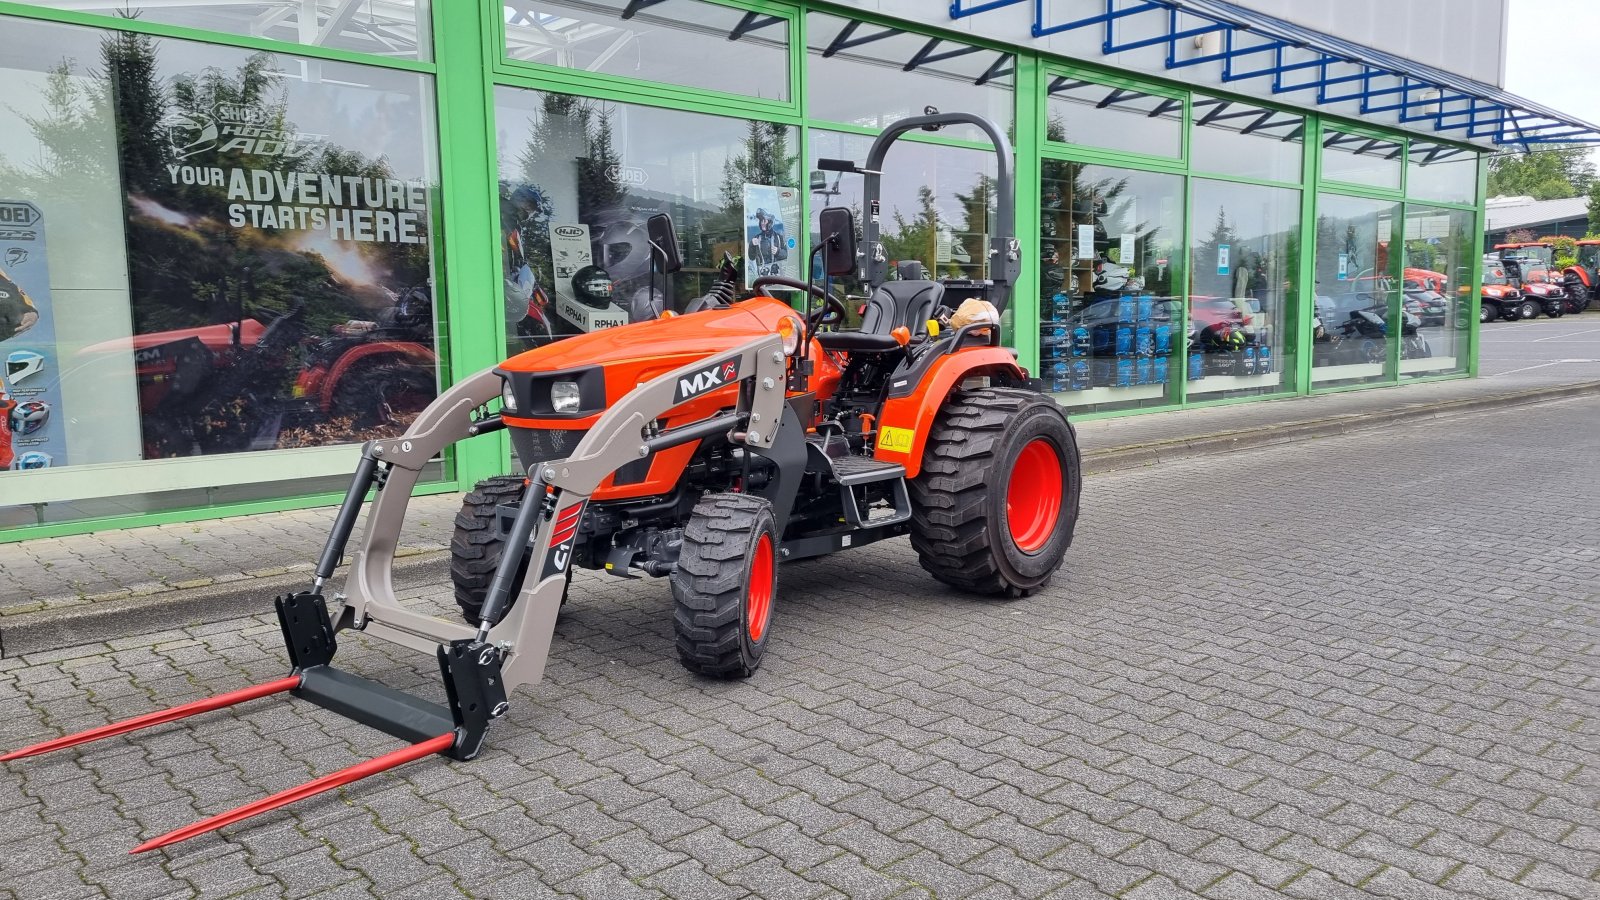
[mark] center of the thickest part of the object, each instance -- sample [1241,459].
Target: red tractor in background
[1530,266]
[1583,278]
[710,448]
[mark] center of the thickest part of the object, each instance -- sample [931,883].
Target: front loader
[709,448]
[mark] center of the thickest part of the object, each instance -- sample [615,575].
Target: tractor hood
[607,364]
[673,341]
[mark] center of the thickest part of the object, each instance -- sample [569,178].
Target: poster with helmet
[31,435]
[585,290]
[769,247]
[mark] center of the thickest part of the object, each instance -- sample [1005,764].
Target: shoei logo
[620,174]
[706,380]
[19,213]
[562,537]
[570,231]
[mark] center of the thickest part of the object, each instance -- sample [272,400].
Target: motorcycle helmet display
[592,286]
[29,417]
[33,459]
[23,363]
[621,247]
[1109,277]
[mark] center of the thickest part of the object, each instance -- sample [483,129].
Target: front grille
[536,445]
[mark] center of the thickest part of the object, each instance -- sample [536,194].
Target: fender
[1579,273]
[409,350]
[904,425]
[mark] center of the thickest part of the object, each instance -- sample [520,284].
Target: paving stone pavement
[1360,666]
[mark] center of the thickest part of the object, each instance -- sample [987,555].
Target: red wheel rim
[1033,498]
[758,607]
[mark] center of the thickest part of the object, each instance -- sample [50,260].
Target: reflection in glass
[579,178]
[1437,282]
[1111,244]
[1244,254]
[1090,114]
[1356,294]
[397,28]
[690,43]
[937,202]
[1232,137]
[1359,159]
[1442,172]
[872,75]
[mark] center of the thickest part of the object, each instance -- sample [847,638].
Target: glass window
[873,75]
[690,43]
[580,177]
[225,250]
[1232,137]
[1114,118]
[1111,242]
[938,202]
[1358,159]
[1356,296]
[1244,258]
[1440,244]
[1443,172]
[397,28]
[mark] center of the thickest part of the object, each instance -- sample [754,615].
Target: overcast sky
[1543,64]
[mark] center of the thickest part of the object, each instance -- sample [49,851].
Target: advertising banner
[769,248]
[274,238]
[31,418]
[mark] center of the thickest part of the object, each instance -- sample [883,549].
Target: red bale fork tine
[310,789]
[149,720]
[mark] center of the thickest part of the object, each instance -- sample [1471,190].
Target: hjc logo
[707,379]
[571,231]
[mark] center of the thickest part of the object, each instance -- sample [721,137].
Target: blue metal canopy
[1257,45]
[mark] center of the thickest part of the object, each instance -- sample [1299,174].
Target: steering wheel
[832,311]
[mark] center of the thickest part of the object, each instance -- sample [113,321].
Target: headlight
[508,398]
[789,330]
[564,396]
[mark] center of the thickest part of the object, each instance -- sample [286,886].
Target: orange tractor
[710,448]
[1583,279]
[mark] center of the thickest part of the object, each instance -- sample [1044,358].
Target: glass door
[1356,293]
[1437,281]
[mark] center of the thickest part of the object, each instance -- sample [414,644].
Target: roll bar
[1005,256]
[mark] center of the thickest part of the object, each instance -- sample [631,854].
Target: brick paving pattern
[1358,666]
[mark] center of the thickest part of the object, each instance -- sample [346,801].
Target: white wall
[1466,37]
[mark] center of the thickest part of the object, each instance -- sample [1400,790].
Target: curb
[90,623]
[99,621]
[1097,462]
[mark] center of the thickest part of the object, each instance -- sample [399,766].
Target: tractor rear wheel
[1577,296]
[724,585]
[995,504]
[477,545]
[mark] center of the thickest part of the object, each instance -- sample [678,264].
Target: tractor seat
[909,302]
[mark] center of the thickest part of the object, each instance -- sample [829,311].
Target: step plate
[853,470]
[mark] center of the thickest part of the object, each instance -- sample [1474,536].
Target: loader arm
[616,439]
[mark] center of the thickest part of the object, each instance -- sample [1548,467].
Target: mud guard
[906,420]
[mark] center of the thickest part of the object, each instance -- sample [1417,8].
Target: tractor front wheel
[725,584]
[995,504]
[477,545]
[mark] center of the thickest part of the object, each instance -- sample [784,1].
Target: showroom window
[938,202]
[870,75]
[1111,244]
[1355,290]
[689,43]
[1244,259]
[1360,159]
[1442,172]
[579,177]
[393,28]
[227,251]
[1441,247]
[1109,117]
[1232,137]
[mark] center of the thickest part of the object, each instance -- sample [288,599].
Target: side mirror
[836,165]
[665,241]
[838,241]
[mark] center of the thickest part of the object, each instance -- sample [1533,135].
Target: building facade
[240,237]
